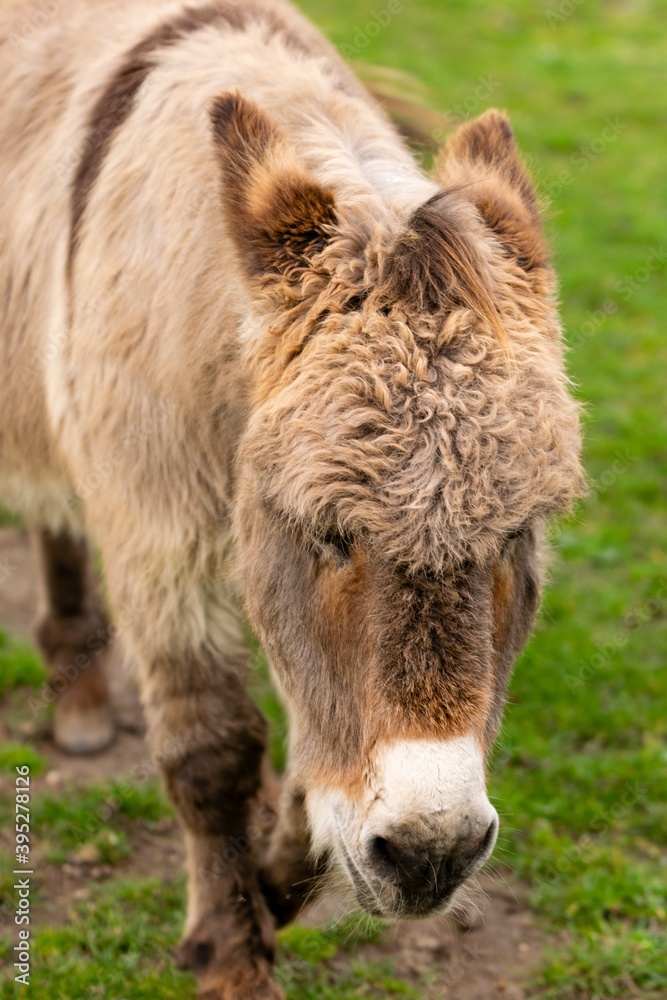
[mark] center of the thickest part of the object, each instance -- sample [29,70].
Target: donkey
[263,362]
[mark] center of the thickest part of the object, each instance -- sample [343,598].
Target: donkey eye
[355,303]
[511,538]
[338,544]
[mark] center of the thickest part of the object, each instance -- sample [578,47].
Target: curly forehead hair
[409,380]
[404,416]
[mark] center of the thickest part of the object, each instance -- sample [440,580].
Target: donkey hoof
[222,977]
[194,955]
[83,730]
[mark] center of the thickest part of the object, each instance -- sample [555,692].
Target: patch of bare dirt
[488,953]
[492,958]
[495,958]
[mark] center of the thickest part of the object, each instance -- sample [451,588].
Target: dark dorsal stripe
[117,100]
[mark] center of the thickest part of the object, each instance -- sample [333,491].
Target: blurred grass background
[580,775]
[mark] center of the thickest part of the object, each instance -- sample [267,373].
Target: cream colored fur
[162,401]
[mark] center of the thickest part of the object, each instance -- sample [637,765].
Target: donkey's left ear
[279,216]
[481,163]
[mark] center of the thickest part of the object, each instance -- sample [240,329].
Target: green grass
[97,817]
[121,945]
[579,776]
[7,519]
[19,665]
[13,755]
[310,966]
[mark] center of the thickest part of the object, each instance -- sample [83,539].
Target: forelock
[426,437]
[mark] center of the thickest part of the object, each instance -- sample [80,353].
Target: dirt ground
[490,959]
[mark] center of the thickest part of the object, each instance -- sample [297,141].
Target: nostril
[379,850]
[471,860]
[382,856]
[428,869]
[394,862]
[489,838]
[466,856]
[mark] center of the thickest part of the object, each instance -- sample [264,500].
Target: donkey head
[409,433]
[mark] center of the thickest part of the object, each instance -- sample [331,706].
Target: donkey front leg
[73,635]
[198,705]
[289,875]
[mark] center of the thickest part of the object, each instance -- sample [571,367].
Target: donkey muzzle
[422,825]
[412,875]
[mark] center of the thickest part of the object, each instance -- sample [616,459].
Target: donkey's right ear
[280,217]
[482,164]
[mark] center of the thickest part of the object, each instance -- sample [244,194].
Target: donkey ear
[280,217]
[481,163]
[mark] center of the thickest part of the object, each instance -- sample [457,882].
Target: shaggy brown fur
[250,349]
